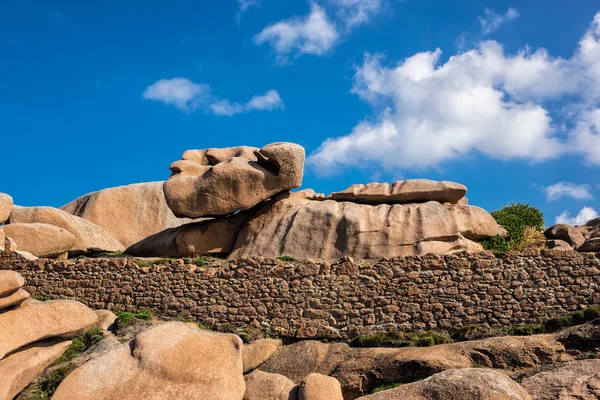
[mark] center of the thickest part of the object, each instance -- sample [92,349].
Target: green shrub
[592,313]
[426,341]
[197,261]
[496,244]
[468,332]
[515,218]
[46,386]
[524,330]
[80,344]
[285,258]
[124,317]
[558,323]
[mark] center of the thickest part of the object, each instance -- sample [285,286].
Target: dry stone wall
[332,300]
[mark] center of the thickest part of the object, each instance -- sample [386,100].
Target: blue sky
[95,95]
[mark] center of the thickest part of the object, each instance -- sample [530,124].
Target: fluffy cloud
[356,12]
[310,34]
[244,5]
[189,96]
[568,189]
[492,20]
[584,215]
[482,101]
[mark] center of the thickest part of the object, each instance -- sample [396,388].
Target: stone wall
[330,299]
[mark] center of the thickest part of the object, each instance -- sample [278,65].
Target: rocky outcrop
[585,238]
[90,238]
[6,205]
[567,233]
[265,386]
[215,182]
[319,387]
[402,192]
[296,226]
[458,384]
[208,237]
[191,364]
[573,380]
[129,213]
[256,353]
[41,240]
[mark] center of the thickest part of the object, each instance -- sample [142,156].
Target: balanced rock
[215,182]
[258,352]
[573,380]
[90,238]
[457,384]
[401,192]
[566,233]
[129,213]
[33,321]
[41,240]
[18,370]
[294,225]
[319,387]
[169,361]
[265,386]
[6,205]
[208,237]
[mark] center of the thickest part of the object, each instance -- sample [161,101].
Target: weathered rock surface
[20,369]
[6,204]
[9,244]
[298,360]
[208,237]
[2,240]
[221,181]
[33,321]
[106,319]
[458,384]
[191,364]
[265,386]
[291,224]
[319,387]
[590,245]
[41,240]
[573,380]
[13,299]
[410,191]
[566,233]
[129,213]
[90,238]
[258,352]
[10,281]
[558,244]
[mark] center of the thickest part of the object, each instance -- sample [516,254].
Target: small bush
[516,218]
[558,323]
[124,317]
[426,341]
[496,244]
[592,313]
[285,258]
[524,330]
[533,238]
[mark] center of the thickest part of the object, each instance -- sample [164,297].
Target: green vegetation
[43,297]
[46,386]
[285,258]
[124,317]
[80,344]
[401,339]
[110,253]
[197,261]
[386,387]
[524,225]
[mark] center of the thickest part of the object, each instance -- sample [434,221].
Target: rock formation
[216,182]
[585,238]
[89,238]
[6,205]
[33,334]
[298,226]
[41,240]
[129,213]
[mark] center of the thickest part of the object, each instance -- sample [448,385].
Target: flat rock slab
[34,321]
[400,192]
[14,299]
[20,369]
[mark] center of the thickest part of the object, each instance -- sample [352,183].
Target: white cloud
[244,5]
[585,214]
[568,189]
[189,96]
[311,34]
[180,92]
[492,20]
[356,12]
[480,101]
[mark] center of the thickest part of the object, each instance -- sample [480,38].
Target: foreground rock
[411,191]
[457,384]
[6,205]
[34,321]
[256,353]
[10,281]
[41,240]
[191,364]
[573,380]
[567,233]
[265,386]
[209,237]
[20,369]
[216,182]
[296,226]
[319,387]
[90,238]
[129,213]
